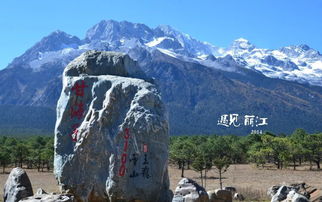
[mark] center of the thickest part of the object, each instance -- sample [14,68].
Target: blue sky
[266,23]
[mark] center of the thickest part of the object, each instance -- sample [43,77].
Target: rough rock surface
[296,197]
[232,190]
[111,134]
[104,63]
[188,190]
[18,186]
[220,195]
[281,194]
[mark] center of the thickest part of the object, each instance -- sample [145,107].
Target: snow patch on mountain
[167,52]
[157,41]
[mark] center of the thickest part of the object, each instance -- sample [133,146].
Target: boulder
[49,198]
[281,194]
[220,195]
[232,190]
[178,198]
[293,192]
[111,133]
[188,190]
[17,186]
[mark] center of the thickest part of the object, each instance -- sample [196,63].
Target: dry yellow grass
[250,181]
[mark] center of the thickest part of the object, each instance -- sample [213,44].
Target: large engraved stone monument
[111,134]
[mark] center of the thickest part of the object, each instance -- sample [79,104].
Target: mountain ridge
[212,81]
[298,63]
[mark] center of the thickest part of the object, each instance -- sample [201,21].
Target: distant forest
[200,153]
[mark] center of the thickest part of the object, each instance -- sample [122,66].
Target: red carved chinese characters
[124,154]
[77,108]
[75,131]
[79,88]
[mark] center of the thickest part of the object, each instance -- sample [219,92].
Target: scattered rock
[224,194]
[188,190]
[220,195]
[49,198]
[18,186]
[111,132]
[178,198]
[232,190]
[281,194]
[212,195]
[239,197]
[299,191]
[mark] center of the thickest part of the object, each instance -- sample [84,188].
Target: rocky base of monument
[18,188]
[49,197]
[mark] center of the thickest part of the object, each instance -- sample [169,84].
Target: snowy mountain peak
[295,63]
[60,35]
[100,30]
[59,32]
[241,40]
[300,51]
[242,44]
[56,41]
[110,30]
[167,30]
[304,47]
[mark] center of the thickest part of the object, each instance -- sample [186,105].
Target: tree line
[202,153]
[198,152]
[31,152]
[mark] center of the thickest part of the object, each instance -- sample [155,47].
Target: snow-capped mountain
[198,81]
[125,35]
[112,35]
[58,45]
[295,63]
